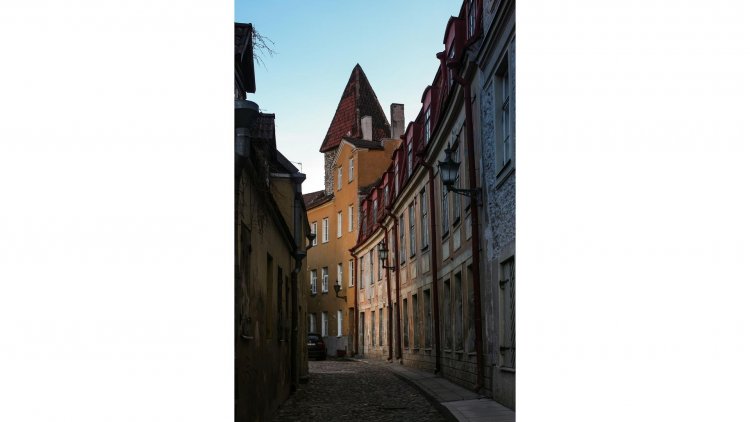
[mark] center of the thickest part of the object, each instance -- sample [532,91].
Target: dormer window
[408,157]
[472,17]
[427,127]
[452,53]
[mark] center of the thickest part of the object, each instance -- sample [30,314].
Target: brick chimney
[397,120]
[367,128]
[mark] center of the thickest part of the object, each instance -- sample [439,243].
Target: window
[472,17]
[427,126]
[280,322]
[372,328]
[445,210]
[447,331]
[405,313]
[423,211]
[415,317]
[324,324]
[457,184]
[396,175]
[312,323]
[408,158]
[372,272]
[351,273]
[380,267]
[361,273]
[314,281]
[380,327]
[339,319]
[503,105]
[269,294]
[339,273]
[401,238]
[458,307]
[412,233]
[338,224]
[508,286]
[324,285]
[351,169]
[314,230]
[338,178]
[427,304]
[375,212]
[325,230]
[351,218]
[471,335]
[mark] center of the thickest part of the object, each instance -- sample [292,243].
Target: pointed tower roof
[357,101]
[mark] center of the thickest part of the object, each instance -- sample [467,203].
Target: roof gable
[357,100]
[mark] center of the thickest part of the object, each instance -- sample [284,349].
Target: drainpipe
[479,332]
[390,305]
[356,304]
[398,288]
[433,269]
[299,255]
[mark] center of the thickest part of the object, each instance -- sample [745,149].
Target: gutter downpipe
[479,331]
[433,269]
[398,288]
[356,300]
[390,304]
[300,254]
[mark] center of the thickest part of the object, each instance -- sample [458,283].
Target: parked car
[316,347]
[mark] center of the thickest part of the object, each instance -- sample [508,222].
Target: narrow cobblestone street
[342,390]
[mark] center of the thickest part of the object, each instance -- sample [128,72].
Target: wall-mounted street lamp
[383,255]
[449,173]
[337,289]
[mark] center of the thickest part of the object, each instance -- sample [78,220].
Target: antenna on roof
[297,162]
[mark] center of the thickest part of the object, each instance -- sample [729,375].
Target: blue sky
[317,44]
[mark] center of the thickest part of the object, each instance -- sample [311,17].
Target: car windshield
[312,338]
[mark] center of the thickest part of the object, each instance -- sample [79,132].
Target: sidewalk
[463,404]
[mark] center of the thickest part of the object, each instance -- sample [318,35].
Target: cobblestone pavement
[341,390]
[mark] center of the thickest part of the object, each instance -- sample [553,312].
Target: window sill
[472,353]
[456,222]
[507,369]
[445,235]
[425,248]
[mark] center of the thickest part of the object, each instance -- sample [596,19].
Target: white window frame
[412,232]
[314,230]
[325,230]
[324,282]
[338,224]
[339,273]
[339,177]
[314,281]
[339,319]
[351,273]
[324,324]
[351,169]
[423,211]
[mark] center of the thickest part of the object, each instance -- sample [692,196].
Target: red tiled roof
[313,199]
[358,100]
